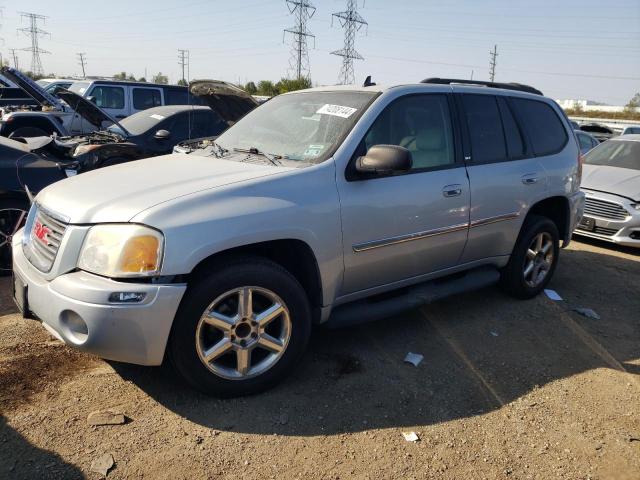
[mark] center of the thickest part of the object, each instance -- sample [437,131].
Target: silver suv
[330,206]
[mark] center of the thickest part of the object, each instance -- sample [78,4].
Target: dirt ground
[507,389]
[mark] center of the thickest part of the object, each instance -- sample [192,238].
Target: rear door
[113,99]
[505,176]
[145,97]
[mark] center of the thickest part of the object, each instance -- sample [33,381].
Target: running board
[388,304]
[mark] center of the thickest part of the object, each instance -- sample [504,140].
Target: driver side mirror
[92,99]
[385,160]
[162,135]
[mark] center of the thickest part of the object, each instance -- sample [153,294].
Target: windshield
[43,83]
[616,153]
[138,123]
[631,130]
[303,126]
[79,87]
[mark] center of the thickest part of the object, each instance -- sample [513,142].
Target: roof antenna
[368,82]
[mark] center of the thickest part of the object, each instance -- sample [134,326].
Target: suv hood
[228,101]
[86,109]
[31,87]
[120,192]
[618,181]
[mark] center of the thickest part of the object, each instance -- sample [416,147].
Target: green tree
[160,78]
[142,79]
[267,88]
[250,88]
[633,104]
[183,82]
[287,85]
[120,76]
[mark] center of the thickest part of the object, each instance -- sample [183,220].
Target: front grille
[44,240]
[609,232]
[604,209]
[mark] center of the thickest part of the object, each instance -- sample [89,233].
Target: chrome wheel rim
[243,333]
[538,260]
[11,220]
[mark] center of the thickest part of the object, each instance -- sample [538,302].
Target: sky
[583,49]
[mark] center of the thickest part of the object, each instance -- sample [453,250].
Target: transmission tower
[82,59]
[15,58]
[183,61]
[492,62]
[352,22]
[303,10]
[35,33]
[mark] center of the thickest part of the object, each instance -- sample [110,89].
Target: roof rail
[507,86]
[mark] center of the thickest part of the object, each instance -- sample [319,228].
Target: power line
[492,63]
[35,33]
[352,22]
[303,10]
[183,61]
[82,58]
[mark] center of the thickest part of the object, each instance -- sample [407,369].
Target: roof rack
[507,86]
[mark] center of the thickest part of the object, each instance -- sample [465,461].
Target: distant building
[589,105]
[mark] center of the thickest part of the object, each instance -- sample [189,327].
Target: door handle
[530,178]
[452,190]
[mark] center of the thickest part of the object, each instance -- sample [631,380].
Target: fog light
[635,235]
[127,297]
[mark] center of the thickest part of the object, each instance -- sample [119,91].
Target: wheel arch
[45,123]
[296,256]
[557,210]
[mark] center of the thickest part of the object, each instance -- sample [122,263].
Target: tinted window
[632,130]
[206,124]
[543,126]
[179,96]
[421,124]
[144,98]
[177,125]
[108,97]
[585,142]
[485,128]
[512,133]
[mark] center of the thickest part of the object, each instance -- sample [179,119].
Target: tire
[235,332]
[13,213]
[537,249]
[28,132]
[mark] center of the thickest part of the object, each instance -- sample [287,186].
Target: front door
[398,227]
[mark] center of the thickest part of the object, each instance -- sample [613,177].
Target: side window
[421,124]
[177,125]
[595,142]
[206,124]
[108,97]
[585,142]
[485,128]
[542,124]
[515,143]
[144,98]
[180,96]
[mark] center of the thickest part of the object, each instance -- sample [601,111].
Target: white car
[631,130]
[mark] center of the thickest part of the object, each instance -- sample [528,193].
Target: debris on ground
[495,334]
[587,312]
[552,294]
[411,436]
[102,464]
[106,417]
[413,358]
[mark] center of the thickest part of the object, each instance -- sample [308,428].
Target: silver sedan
[611,183]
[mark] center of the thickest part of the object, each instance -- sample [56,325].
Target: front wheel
[13,214]
[534,258]
[241,329]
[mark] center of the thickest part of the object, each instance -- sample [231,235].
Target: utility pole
[15,58]
[492,63]
[35,33]
[352,22]
[183,61]
[303,10]
[83,61]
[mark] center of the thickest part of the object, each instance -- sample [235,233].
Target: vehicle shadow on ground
[7,306]
[25,461]
[481,350]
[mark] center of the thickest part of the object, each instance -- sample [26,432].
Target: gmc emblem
[42,232]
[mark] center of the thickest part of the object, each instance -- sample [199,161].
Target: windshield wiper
[274,159]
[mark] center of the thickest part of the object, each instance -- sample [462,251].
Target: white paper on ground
[410,436]
[552,294]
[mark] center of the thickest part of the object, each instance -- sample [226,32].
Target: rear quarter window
[542,125]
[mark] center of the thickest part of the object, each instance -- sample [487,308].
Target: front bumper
[75,308]
[621,232]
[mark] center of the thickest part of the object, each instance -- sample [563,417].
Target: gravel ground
[507,389]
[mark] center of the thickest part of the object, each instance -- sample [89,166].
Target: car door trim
[385,242]
[498,218]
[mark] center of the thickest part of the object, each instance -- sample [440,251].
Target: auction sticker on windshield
[336,110]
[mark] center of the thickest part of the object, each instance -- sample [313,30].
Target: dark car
[599,131]
[35,162]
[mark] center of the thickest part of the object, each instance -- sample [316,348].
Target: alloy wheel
[11,220]
[243,333]
[538,260]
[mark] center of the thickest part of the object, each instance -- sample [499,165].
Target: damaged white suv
[299,214]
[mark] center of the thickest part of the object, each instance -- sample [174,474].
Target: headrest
[430,139]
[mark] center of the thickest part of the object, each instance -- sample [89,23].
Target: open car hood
[86,109]
[31,87]
[228,101]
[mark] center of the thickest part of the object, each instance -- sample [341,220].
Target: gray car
[611,182]
[332,206]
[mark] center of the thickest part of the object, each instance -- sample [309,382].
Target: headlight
[635,206]
[82,149]
[122,250]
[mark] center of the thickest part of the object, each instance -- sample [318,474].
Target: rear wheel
[534,258]
[13,214]
[241,329]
